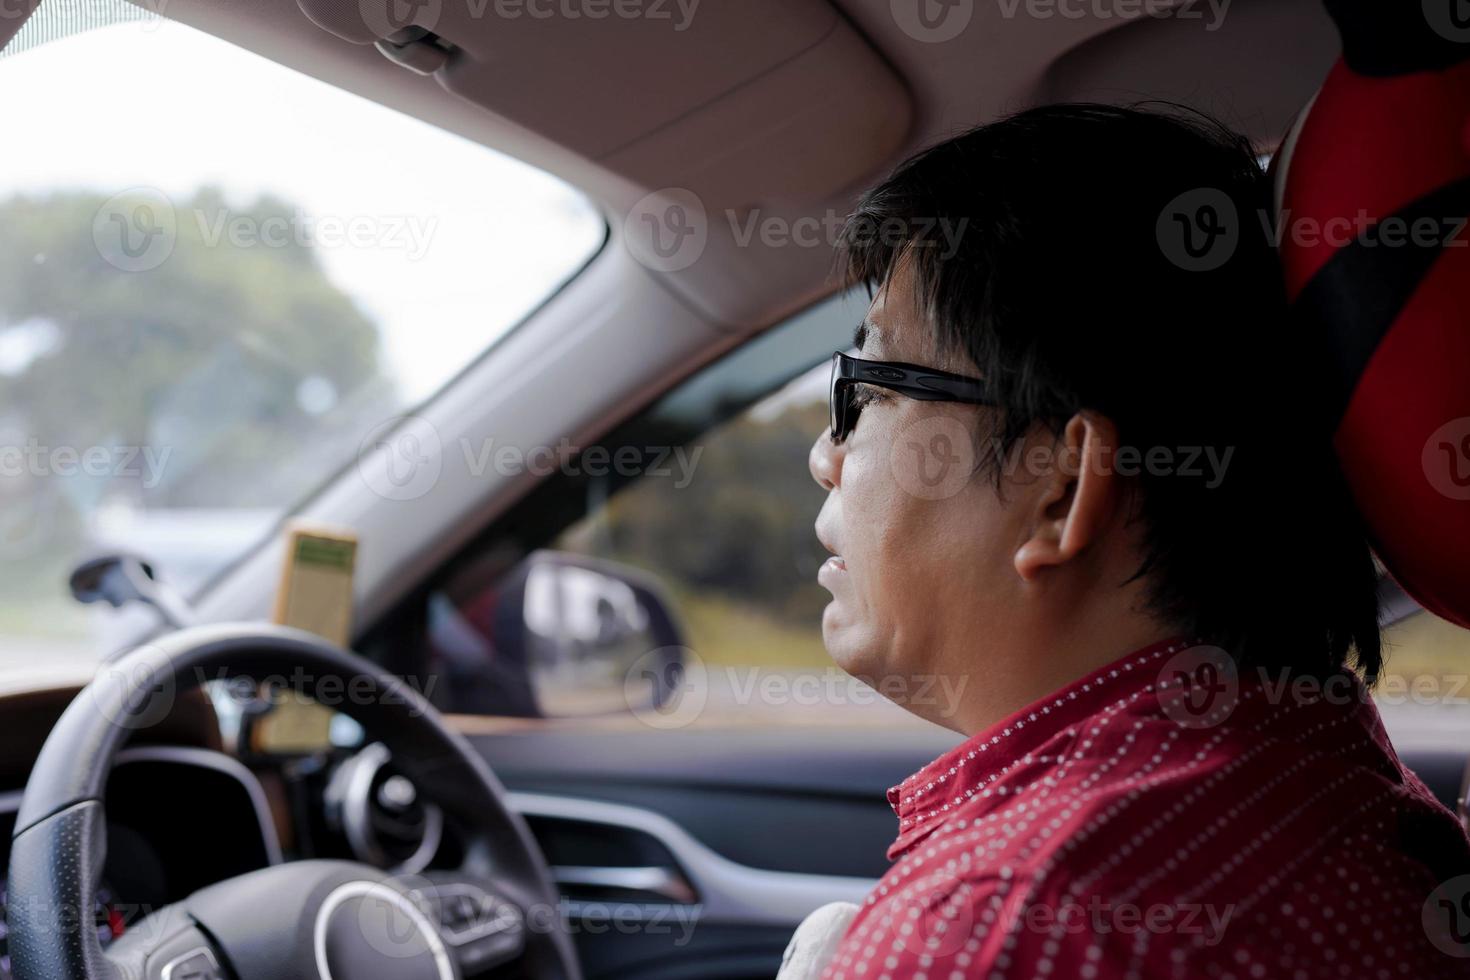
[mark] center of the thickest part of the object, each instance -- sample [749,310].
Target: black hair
[1121,261]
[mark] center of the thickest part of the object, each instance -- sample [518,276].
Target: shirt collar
[962,773]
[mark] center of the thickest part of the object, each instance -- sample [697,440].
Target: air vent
[381,813]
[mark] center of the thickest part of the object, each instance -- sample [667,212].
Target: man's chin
[849,644]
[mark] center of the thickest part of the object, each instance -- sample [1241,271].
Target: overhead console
[743,103]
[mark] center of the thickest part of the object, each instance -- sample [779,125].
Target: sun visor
[716,97]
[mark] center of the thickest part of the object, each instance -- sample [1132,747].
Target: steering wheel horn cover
[337,908]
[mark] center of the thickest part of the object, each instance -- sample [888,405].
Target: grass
[1429,654]
[58,616]
[725,632]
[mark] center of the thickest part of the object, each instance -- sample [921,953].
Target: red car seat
[1373,202]
[1373,194]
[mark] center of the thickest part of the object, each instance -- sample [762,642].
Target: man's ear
[1076,498]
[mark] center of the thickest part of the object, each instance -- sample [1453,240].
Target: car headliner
[731,106]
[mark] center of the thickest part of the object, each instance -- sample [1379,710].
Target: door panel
[762,827]
[823,794]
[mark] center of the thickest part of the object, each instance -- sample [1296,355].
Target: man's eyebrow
[860,335]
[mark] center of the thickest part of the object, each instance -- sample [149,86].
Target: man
[1076,469]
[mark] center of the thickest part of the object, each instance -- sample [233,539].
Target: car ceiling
[782,108]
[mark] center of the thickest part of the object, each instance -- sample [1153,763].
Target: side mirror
[120,580]
[597,637]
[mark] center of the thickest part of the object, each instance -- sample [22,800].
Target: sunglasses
[925,384]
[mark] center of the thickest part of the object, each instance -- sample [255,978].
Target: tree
[225,354]
[741,530]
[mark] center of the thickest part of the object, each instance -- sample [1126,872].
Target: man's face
[922,569]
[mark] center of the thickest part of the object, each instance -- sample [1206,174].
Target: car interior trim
[728,891]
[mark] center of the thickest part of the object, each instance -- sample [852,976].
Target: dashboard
[179,818]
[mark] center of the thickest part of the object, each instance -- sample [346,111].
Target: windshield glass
[215,275]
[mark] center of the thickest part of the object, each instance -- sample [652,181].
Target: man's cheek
[889,539]
[863,469]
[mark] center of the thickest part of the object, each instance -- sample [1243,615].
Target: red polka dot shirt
[1170,816]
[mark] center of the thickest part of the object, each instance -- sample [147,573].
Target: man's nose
[825,461]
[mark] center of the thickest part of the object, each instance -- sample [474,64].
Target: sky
[461,241]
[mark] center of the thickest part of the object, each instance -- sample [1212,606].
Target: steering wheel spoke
[167,945]
[481,928]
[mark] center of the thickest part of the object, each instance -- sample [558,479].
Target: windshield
[215,275]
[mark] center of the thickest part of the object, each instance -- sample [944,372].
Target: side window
[1424,693]
[731,537]
[731,541]
[683,594]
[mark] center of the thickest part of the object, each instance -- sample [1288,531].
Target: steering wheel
[306,920]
